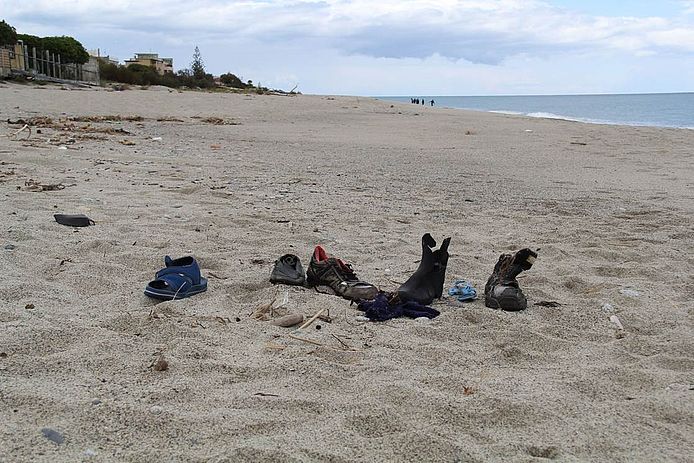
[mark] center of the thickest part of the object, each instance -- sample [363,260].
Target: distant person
[422,101]
[432,103]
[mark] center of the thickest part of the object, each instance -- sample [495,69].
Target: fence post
[60,68]
[47,63]
[33,58]
[25,50]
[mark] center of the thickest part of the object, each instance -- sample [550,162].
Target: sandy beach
[239,180]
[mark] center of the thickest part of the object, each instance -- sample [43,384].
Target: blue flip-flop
[463,290]
[179,279]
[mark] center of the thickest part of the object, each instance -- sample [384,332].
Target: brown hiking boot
[502,290]
[338,276]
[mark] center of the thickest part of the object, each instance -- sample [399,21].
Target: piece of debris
[29,307]
[127,142]
[160,364]
[33,185]
[288,320]
[265,394]
[578,143]
[53,435]
[614,319]
[629,292]
[607,307]
[548,303]
[105,118]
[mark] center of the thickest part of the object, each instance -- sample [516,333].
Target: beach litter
[614,319]
[288,320]
[33,185]
[53,435]
[547,304]
[629,292]
[160,363]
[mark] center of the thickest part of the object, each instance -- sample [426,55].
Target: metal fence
[45,65]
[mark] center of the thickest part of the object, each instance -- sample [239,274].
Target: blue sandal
[179,279]
[463,291]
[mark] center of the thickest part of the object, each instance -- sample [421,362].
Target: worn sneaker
[288,270]
[334,273]
[502,290]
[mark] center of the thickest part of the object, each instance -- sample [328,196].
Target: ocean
[649,109]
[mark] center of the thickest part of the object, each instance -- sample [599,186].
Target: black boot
[427,282]
[502,290]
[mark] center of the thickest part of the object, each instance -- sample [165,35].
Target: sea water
[651,109]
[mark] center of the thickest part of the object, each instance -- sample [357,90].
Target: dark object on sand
[288,270]
[53,435]
[179,279]
[77,220]
[388,305]
[427,282]
[502,290]
[337,276]
[547,304]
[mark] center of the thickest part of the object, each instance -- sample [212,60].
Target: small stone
[9,247]
[3,355]
[90,453]
[160,364]
[630,292]
[29,307]
[53,436]
[361,318]
[422,319]
[155,409]
[96,402]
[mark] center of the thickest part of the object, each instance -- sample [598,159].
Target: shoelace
[347,270]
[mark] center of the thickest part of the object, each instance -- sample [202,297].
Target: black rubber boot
[502,290]
[427,282]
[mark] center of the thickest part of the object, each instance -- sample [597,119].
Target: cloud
[486,32]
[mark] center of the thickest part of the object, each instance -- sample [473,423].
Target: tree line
[72,51]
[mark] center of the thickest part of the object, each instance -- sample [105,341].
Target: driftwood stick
[315,343]
[311,320]
[340,341]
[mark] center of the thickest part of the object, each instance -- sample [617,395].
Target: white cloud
[478,31]
[517,45]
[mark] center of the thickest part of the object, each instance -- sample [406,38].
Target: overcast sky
[395,47]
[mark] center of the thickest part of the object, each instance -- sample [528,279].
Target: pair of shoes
[463,291]
[180,278]
[502,290]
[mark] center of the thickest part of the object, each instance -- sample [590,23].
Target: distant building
[105,58]
[161,65]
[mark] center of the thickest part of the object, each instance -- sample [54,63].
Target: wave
[512,113]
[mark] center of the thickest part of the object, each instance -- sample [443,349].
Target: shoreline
[548,113]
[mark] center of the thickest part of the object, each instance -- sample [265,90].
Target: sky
[395,47]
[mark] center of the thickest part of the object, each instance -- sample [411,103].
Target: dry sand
[611,208]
